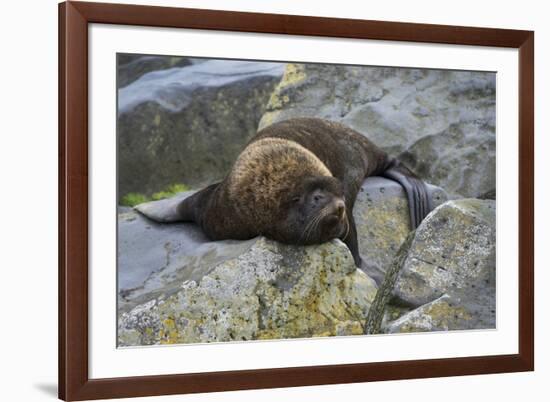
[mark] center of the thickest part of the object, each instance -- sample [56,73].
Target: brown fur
[287,183]
[264,173]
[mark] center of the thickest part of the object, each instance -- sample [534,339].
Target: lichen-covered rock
[443,314]
[381,310]
[188,124]
[154,259]
[453,254]
[270,291]
[153,256]
[440,122]
[381,215]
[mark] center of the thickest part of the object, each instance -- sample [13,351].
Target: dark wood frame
[74,17]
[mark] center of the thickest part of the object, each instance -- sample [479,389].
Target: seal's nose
[340,208]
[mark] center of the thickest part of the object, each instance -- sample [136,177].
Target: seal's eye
[318,197]
[296,200]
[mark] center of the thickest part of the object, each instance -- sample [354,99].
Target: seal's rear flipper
[420,203]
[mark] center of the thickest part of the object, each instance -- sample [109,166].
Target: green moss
[170,191]
[133,199]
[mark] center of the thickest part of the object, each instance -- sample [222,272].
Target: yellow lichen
[268,119]
[323,334]
[443,313]
[384,227]
[294,74]
[169,333]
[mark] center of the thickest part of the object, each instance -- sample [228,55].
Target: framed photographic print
[260,200]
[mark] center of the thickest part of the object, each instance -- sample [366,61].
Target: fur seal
[296,182]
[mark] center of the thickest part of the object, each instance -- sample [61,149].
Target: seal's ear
[191,209]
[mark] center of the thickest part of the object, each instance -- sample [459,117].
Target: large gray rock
[381,215]
[440,122]
[188,124]
[442,314]
[450,266]
[130,67]
[270,291]
[154,257]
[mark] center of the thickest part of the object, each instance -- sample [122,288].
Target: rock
[441,123]
[443,314]
[270,291]
[380,308]
[188,124]
[460,158]
[155,259]
[381,215]
[130,67]
[452,255]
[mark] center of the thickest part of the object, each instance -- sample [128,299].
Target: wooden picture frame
[74,381]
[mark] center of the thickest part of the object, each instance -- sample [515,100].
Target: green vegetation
[133,199]
[170,191]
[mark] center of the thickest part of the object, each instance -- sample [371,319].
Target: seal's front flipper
[179,208]
[420,203]
[351,240]
[191,208]
[163,211]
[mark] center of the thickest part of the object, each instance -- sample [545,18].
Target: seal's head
[313,212]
